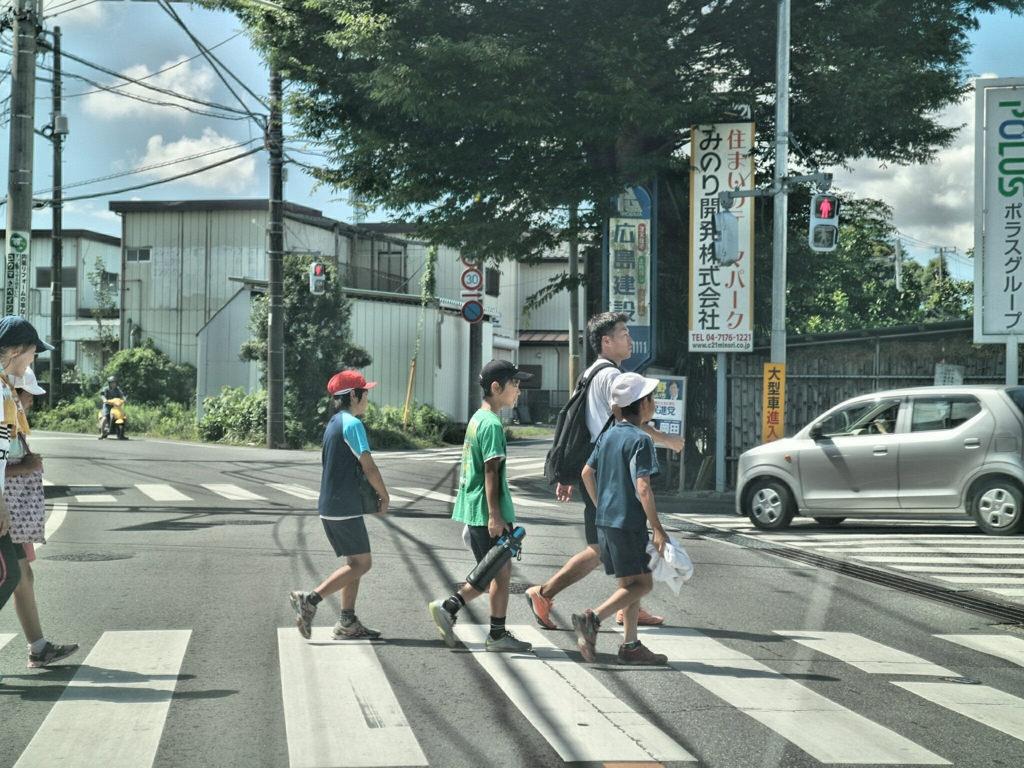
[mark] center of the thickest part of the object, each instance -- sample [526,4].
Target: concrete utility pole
[19,169]
[275,259]
[58,129]
[781,207]
[574,301]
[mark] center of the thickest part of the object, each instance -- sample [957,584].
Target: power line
[69,10]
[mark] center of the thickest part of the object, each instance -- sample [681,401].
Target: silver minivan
[926,452]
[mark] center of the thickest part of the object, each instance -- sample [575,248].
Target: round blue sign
[473,311]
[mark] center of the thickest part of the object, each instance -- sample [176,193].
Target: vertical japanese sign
[670,405]
[721,298]
[630,271]
[999,211]
[773,412]
[16,273]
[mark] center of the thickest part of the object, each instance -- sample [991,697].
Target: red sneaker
[645,620]
[641,656]
[541,607]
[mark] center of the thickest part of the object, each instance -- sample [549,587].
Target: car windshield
[873,417]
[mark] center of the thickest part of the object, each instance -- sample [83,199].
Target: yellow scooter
[117,421]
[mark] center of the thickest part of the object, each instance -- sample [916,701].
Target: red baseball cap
[346,381]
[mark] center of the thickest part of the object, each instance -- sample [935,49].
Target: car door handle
[881,450]
[972,442]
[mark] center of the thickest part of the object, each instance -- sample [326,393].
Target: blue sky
[111,134]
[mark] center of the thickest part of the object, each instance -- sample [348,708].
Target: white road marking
[296,490]
[1007,592]
[423,493]
[938,550]
[522,501]
[232,492]
[112,713]
[924,560]
[954,569]
[339,709]
[46,482]
[1001,646]
[90,494]
[532,460]
[159,492]
[580,718]
[57,515]
[865,654]
[981,579]
[825,730]
[980,703]
[5,638]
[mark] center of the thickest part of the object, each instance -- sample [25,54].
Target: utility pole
[574,300]
[781,206]
[275,256]
[899,265]
[58,129]
[19,168]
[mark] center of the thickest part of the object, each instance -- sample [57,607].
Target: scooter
[116,422]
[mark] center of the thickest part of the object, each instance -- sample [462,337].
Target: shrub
[234,417]
[147,375]
[82,416]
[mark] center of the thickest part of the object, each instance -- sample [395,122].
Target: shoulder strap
[586,379]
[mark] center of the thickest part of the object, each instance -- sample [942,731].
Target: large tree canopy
[485,119]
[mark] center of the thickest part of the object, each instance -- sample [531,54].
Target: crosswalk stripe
[447,498]
[522,501]
[233,492]
[112,713]
[162,492]
[924,560]
[954,569]
[980,703]
[825,730]
[580,718]
[531,460]
[5,638]
[1007,592]
[90,494]
[981,579]
[57,515]
[339,708]
[865,654]
[296,490]
[938,550]
[1001,646]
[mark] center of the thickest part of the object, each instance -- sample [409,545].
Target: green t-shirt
[485,439]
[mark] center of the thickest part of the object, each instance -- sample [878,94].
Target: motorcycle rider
[109,392]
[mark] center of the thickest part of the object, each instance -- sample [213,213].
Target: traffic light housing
[823,235]
[317,278]
[727,238]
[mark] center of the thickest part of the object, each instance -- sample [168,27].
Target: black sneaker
[50,654]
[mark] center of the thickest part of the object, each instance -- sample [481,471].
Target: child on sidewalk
[618,477]
[345,451]
[485,504]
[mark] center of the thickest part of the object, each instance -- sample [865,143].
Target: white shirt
[599,396]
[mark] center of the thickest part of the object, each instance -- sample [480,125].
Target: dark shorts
[589,516]
[624,553]
[480,541]
[19,551]
[348,537]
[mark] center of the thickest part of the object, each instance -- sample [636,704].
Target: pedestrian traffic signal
[823,235]
[726,238]
[317,278]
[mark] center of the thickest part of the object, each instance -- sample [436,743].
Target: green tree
[317,345]
[147,376]
[106,308]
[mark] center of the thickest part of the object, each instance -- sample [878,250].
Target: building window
[108,282]
[137,254]
[492,281]
[68,277]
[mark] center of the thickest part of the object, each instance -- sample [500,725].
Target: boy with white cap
[618,478]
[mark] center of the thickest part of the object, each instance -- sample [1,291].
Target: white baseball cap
[630,387]
[27,382]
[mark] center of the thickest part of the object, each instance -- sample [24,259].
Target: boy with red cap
[345,451]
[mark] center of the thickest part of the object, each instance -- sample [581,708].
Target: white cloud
[234,177]
[933,202]
[189,79]
[66,13]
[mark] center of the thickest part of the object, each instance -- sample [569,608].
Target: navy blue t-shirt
[344,442]
[623,453]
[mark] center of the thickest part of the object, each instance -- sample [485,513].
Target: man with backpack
[587,414]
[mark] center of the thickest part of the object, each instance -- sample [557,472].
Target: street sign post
[472,288]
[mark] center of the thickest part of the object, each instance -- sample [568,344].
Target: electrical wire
[69,10]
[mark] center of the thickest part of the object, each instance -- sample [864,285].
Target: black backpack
[572,446]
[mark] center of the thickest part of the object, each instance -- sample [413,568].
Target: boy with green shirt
[485,504]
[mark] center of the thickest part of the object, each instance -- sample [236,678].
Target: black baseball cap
[15,331]
[501,371]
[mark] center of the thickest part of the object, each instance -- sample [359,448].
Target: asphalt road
[171,567]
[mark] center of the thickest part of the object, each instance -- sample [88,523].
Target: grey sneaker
[305,611]
[354,631]
[507,643]
[445,622]
[50,654]
[586,626]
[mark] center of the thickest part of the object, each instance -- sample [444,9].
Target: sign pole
[1012,361]
[720,426]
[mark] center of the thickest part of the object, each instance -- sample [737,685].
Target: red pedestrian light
[826,207]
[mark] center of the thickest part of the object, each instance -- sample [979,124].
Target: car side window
[936,413]
[876,417]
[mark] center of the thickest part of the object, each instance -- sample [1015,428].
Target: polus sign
[999,210]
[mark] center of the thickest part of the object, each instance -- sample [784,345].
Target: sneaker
[641,656]
[541,607]
[586,626]
[51,653]
[354,631]
[305,611]
[644,620]
[507,643]
[445,622]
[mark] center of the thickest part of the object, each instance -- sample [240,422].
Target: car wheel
[770,505]
[829,522]
[999,507]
